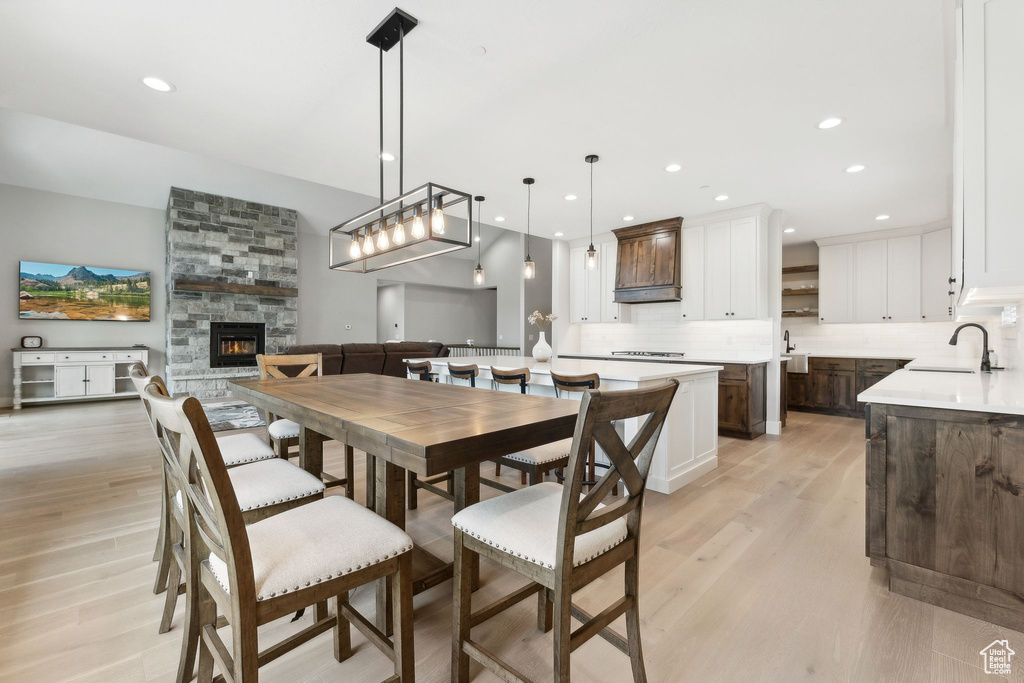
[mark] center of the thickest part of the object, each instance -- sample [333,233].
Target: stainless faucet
[789,347]
[986,364]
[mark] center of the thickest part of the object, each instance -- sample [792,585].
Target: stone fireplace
[231,274]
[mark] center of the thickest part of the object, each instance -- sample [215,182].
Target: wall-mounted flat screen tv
[51,291]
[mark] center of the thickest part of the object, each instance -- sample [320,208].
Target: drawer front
[37,358]
[84,356]
[127,355]
[876,365]
[731,371]
[849,364]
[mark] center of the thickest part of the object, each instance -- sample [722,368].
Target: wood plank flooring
[756,572]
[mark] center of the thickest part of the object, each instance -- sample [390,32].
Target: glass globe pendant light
[590,259]
[529,267]
[478,274]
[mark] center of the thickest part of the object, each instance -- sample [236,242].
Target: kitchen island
[688,447]
[945,478]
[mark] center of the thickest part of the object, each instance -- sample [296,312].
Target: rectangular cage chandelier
[428,221]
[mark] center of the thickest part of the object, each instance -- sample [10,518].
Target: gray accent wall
[450,315]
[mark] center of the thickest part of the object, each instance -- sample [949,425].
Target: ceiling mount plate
[388,32]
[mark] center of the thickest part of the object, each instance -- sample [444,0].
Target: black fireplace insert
[235,345]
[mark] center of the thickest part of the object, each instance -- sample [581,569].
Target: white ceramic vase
[542,350]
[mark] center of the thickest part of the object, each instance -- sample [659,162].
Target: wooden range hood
[647,267]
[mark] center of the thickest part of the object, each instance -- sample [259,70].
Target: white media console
[53,375]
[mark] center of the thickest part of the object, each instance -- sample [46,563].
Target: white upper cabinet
[717,271]
[611,312]
[904,299]
[744,270]
[871,302]
[990,147]
[936,302]
[692,304]
[836,279]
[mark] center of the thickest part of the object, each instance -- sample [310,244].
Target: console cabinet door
[692,304]
[743,269]
[69,380]
[797,389]
[100,380]
[904,301]
[836,283]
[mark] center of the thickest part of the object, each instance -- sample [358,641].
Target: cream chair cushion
[238,449]
[549,452]
[284,429]
[316,542]
[525,524]
[269,482]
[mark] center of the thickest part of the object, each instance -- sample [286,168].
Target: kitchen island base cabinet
[742,409]
[944,508]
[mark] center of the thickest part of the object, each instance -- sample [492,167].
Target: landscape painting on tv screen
[51,291]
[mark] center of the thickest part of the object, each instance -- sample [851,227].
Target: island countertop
[625,371]
[1001,391]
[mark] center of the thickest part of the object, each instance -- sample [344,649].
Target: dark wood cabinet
[647,267]
[831,385]
[784,392]
[742,400]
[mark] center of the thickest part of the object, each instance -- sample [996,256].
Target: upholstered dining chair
[237,449]
[562,540]
[284,433]
[255,574]
[533,463]
[263,489]
[571,384]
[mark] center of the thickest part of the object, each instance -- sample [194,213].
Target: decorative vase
[542,350]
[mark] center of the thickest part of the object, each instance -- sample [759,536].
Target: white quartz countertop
[738,358]
[613,370]
[880,356]
[1001,391]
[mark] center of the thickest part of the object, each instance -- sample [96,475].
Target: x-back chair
[256,574]
[570,384]
[284,433]
[562,540]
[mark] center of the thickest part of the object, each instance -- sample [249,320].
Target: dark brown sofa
[379,359]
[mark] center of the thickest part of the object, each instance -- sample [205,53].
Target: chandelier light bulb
[353,248]
[437,221]
[417,227]
[399,235]
[382,239]
[368,243]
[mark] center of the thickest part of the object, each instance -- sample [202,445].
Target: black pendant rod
[380,152]
[401,109]
[529,196]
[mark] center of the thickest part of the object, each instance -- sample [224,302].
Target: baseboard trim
[773,427]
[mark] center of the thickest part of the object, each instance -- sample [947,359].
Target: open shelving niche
[799,274]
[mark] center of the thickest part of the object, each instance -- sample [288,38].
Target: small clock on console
[31,342]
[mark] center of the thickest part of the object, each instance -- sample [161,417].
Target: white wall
[450,315]
[503,263]
[58,228]
[537,292]
[390,312]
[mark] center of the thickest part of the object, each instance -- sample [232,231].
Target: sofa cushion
[331,356]
[362,358]
[397,352]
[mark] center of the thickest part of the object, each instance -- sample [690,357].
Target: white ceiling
[730,89]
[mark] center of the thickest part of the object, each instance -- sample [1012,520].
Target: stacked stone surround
[222,239]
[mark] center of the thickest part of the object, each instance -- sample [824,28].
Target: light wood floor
[754,573]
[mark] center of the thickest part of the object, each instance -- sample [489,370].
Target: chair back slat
[574,383]
[273,367]
[511,376]
[420,368]
[213,516]
[631,464]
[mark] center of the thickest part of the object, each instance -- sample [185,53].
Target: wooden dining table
[405,424]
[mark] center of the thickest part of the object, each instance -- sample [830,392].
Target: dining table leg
[311,452]
[390,504]
[467,492]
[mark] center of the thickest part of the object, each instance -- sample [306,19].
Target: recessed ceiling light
[627,218]
[831,122]
[721,197]
[559,234]
[882,217]
[672,168]
[788,230]
[856,168]
[158,84]
[477,239]
[387,156]
[570,197]
[499,219]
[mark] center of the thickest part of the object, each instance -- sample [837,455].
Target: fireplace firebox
[235,345]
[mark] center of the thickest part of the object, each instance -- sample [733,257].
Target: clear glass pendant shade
[590,259]
[529,269]
[478,275]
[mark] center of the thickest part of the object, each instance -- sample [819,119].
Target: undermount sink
[797,362]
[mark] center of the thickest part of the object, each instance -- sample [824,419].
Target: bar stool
[578,384]
[468,373]
[422,369]
[533,463]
